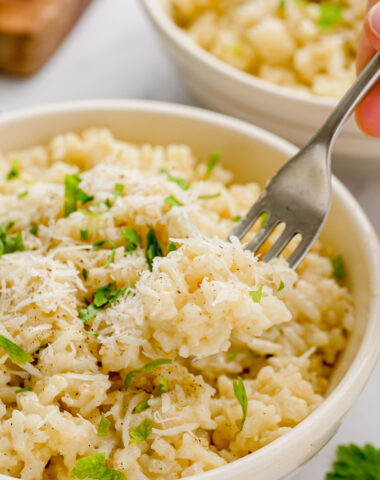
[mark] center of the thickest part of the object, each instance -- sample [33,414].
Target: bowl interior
[253,155]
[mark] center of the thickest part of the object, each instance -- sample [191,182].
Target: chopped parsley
[231,355]
[209,197]
[15,353]
[24,389]
[163,387]
[84,234]
[34,229]
[141,407]
[281,5]
[263,219]
[179,181]
[153,248]
[10,243]
[132,239]
[237,218]
[110,258]
[141,432]
[96,246]
[172,247]
[104,425]
[331,13]
[23,194]
[104,295]
[94,334]
[14,172]
[85,273]
[339,269]
[118,190]
[108,203]
[256,294]
[282,285]
[170,200]
[355,463]
[94,467]
[241,395]
[149,367]
[212,161]
[73,194]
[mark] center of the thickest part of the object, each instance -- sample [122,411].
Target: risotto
[135,342]
[304,44]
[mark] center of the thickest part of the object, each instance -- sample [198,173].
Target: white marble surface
[113,52]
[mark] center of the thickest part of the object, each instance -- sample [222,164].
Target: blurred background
[113,52]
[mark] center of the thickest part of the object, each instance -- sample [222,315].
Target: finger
[372,26]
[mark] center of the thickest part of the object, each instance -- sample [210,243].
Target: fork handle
[366,80]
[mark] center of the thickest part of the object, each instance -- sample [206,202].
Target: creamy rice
[195,302]
[307,45]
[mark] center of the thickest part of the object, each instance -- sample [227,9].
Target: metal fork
[299,195]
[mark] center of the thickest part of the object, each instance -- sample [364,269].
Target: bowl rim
[176,36]
[342,398]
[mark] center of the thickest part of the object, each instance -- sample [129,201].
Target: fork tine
[262,234]
[300,252]
[250,218]
[280,244]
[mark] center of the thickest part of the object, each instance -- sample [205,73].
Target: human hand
[368,112]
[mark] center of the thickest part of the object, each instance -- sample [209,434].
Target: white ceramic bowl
[291,114]
[253,155]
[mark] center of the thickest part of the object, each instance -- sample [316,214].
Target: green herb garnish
[282,285]
[84,197]
[24,389]
[96,246]
[209,197]
[132,239]
[149,367]
[331,13]
[163,387]
[23,194]
[263,219]
[84,234]
[141,407]
[256,294]
[231,355]
[73,194]
[94,334]
[170,200]
[108,203]
[104,425]
[34,229]
[141,432]
[104,295]
[14,172]
[355,463]
[241,395]
[237,218]
[94,467]
[281,5]
[15,353]
[110,258]
[10,243]
[85,273]
[179,181]
[172,247]
[153,248]
[339,269]
[118,190]
[212,161]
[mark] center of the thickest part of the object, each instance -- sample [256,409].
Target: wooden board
[31,30]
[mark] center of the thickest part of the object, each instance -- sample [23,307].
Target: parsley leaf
[14,172]
[15,353]
[141,432]
[10,243]
[162,387]
[237,218]
[263,219]
[241,395]
[282,285]
[209,197]
[141,407]
[212,161]
[355,463]
[34,229]
[86,314]
[231,355]
[104,425]
[331,13]
[110,258]
[153,248]
[256,294]
[118,190]
[84,234]
[339,269]
[104,295]
[71,185]
[96,246]
[132,239]
[170,200]
[24,389]
[85,273]
[172,247]
[179,181]
[149,367]
[84,197]
[23,194]
[94,467]
[94,334]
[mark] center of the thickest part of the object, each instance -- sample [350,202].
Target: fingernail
[374,20]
